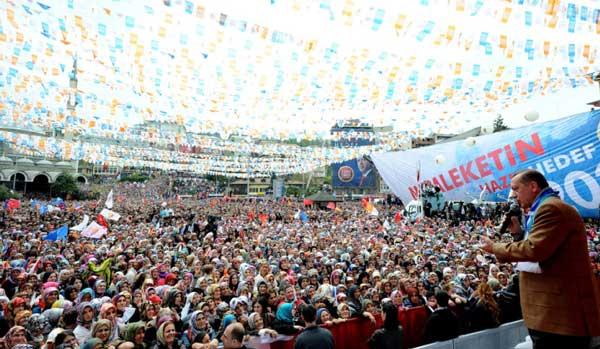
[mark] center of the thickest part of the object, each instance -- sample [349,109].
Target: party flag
[110,215]
[58,234]
[94,231]
[101,220]
[83,224]
[109,200]
[303,217]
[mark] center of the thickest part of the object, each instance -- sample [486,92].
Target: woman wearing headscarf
[256,327]
[85,318]
[166,336]
[53,315]
[355,304]
[175,300]
[134,333]
[93,343]
[397,298]
[102,330]
[413,298]
[124,311]
[100,289]
[191,300]
[49,296]
[261,306]
[197,323]
[16,335]
[109,312]
[70,293]
[462,286]
[85,295]
[284,320]
[37,328]
[343,311]
[22,317]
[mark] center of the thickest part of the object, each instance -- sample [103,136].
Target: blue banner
[566,151]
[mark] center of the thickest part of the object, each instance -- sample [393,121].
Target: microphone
[513,211]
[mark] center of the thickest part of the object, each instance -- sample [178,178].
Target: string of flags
[218,75]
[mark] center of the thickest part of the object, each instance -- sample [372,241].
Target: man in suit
[442,324]
[559,294]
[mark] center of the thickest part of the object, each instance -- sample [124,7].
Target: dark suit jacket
[442,325]
[564,298]
[386,339]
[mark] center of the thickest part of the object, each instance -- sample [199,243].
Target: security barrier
[504,337]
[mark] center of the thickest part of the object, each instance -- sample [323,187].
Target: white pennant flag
[83,224]
[109,200]
[386,225]
[111,215]
[94,231]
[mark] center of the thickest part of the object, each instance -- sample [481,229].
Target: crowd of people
[203,272]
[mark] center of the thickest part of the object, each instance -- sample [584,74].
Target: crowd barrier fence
[504,337]
[354,333]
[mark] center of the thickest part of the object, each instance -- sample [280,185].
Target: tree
[328,175]
[499,124]
[135,177]
[6,193]
[293,191]
[65,185]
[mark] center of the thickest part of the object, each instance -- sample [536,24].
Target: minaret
[72,101]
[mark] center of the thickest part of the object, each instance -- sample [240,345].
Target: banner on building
[566,151]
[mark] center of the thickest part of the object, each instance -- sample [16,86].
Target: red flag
[101,221]
[364,202]
[331,205]
[263,218]
[308,202]
[13,204]
[397,217]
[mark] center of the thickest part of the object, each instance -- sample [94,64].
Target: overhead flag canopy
[212,86]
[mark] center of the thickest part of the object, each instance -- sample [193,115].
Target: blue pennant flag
[58,234]
[303,217]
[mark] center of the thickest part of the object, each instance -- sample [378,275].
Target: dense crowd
[175,273]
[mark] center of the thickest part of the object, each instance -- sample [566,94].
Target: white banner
[566,151]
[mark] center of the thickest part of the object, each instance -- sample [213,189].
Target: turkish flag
[263,218]
[331,205]
[13,204]
[397,217]
[101,221]
[364,202]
